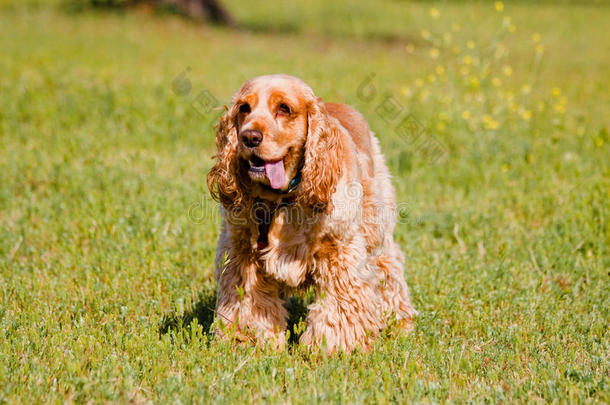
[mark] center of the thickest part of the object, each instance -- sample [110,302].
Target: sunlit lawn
[107,232]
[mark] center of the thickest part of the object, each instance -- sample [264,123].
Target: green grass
[104,273]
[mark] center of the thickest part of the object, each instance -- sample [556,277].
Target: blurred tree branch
[196,9]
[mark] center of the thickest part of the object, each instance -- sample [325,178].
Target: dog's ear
[224,179]
[322,167]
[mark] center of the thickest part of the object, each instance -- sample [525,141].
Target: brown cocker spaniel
[306,200]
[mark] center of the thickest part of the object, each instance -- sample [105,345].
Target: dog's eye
[244,108]
[283,108]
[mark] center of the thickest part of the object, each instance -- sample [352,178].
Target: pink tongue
[275,174]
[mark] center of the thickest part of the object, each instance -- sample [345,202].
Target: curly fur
[333,231]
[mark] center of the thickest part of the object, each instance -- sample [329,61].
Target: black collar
[294,183]
[265,212]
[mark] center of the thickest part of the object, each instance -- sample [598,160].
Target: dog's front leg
[346,312]
[249,303]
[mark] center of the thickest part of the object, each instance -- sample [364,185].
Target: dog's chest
[284,245]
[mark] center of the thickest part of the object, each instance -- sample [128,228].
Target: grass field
[107,232]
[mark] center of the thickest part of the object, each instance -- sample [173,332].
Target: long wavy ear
[322,167]
[224,179]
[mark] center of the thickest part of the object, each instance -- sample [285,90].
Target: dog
[306,200]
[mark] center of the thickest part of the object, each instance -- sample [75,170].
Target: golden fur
[334,230]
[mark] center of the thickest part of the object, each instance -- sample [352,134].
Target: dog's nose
[251,137]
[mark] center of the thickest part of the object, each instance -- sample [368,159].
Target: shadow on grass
[297,313]
[203,311]
[288,28]
[276,27]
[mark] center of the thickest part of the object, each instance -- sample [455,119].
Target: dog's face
[270,117]
[276,130]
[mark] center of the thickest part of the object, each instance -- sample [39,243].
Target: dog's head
[276,138]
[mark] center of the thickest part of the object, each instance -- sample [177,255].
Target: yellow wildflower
[563,100]
[434,53]
[467,60]
[470,44]
[434,13]
[431,78]
[507,70]
[526,114]
[526,89]
[474,82]
[440,70]
[536,37]
[496,82]
[499,6]
[447,37]
[492,124]
[425,34]
[512,28]
[466,115]
[406,91]
[419,82]
[556,92]
[540,48]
